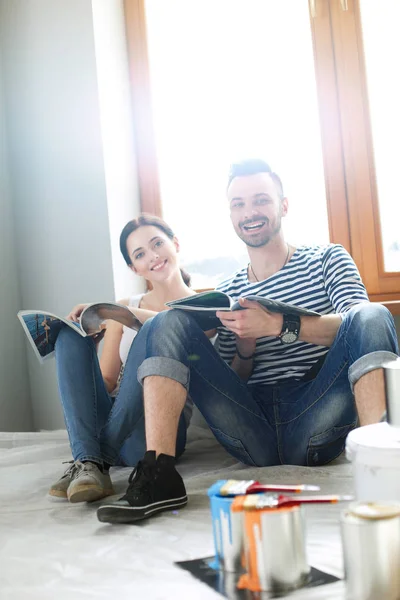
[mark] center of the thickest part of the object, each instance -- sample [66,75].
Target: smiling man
[280,389]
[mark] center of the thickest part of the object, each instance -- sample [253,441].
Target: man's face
[256,209]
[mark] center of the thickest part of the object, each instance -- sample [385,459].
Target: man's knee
[373,323]
[178,322]
[369,313]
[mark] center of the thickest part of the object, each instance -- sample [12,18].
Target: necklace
[284,264]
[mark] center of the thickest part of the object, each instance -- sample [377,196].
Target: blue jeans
[101,428]
[299,423]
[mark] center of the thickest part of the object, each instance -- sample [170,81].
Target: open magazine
[204,306]
[43,327]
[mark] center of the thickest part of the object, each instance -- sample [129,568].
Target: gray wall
[15,406]
[56,168]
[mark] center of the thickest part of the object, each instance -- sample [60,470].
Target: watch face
[289,337]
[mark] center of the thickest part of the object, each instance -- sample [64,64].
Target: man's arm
[258,322]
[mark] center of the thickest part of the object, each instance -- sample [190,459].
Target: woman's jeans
[100,428]
[299,423]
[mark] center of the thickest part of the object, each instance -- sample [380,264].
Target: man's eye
[261,201]
[237,204]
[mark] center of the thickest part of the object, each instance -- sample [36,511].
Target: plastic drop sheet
[55,550]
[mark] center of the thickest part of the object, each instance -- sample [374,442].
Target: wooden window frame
[350,180]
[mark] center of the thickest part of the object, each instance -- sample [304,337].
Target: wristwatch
[290,329]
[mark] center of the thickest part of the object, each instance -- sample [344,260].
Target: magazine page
[278,306]
[205,301]
[95,314]
[42,329]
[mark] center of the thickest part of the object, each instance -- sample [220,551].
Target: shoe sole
[110,513]
[88,493]
[58,494]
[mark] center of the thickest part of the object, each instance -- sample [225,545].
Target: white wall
[56,167]
[15,406]
[117,132]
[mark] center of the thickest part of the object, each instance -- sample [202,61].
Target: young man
[281,390]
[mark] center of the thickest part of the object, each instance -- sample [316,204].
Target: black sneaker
[154,486]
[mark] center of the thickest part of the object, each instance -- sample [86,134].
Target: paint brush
[234,487]
[277,500]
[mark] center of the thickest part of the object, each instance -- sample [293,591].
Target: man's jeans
[99,427]
[299,423]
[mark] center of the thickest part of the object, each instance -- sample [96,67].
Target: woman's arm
[242,362]
[110,362]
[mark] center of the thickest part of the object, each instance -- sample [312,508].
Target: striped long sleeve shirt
[321,278]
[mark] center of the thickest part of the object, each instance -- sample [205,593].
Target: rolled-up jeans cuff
[367,363]
[164,367]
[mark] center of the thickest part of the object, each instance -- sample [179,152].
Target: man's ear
[284,206]
[176,243]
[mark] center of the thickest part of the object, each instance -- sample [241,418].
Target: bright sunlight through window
[233,79]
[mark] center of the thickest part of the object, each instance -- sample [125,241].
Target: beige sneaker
[59,489]
[88,483]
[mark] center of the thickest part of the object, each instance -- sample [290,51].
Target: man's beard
[264,238]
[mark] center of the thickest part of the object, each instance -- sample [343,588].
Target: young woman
[103,406]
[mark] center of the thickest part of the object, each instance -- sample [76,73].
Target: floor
[50,549]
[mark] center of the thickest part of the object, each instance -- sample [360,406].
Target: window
[214,80]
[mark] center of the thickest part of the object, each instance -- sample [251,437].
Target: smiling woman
[104,412]
[156,254]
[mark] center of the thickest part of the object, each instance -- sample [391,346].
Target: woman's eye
[158,244]
[139,255]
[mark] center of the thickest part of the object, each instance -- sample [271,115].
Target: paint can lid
[374,511]
[376,445]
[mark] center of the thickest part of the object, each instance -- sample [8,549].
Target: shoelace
[70,470]
[139,480]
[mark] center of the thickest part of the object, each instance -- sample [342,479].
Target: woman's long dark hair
[141,221]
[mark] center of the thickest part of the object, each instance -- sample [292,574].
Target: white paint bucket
[374,451]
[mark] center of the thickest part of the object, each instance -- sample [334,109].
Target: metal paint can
[274,546]
[227,533]
[371,549]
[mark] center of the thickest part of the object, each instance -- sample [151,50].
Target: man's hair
[252,166]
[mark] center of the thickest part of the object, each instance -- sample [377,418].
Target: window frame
[346,136]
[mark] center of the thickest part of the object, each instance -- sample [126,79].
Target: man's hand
[255,322]
[76,312]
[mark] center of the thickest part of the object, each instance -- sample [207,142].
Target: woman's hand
[76,312]
[97,337]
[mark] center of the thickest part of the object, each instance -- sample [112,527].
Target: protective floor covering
[53,550]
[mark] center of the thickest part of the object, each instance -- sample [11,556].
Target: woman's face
[153,253]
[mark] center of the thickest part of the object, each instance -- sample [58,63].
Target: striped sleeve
[342,280]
